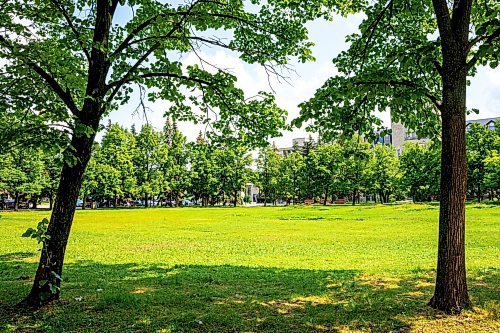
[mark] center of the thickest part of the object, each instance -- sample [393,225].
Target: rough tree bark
[450,294]
[52,256]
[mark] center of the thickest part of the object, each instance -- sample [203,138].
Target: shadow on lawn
[144,298]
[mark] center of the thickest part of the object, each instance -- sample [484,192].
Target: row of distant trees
[349,169]
[354,168]
[161,167]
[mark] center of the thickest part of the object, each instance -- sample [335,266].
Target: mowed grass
[274,269]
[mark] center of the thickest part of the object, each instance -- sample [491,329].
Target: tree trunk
[51,201]
[326,197]
[52,255]
[450,294]
[34,203]
[84,202]
[46,286]
[16,201]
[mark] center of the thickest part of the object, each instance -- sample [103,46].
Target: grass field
[275,269]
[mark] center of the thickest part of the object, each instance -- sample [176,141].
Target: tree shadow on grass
[196,298]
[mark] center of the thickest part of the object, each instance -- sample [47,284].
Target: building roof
[484,121]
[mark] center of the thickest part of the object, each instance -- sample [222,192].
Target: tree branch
[443,19]
[488,40]
[148,53]
[403,83]
[128,40]
[72,26]
[160,74]
[64,95]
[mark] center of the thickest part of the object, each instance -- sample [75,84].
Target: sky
[329,40]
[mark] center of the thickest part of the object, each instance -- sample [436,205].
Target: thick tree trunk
[51,201]
[450,294]
[52,256]
[35,201]
[326,197]
[47,278]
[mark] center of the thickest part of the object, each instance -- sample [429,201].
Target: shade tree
[413,58]
[83,60]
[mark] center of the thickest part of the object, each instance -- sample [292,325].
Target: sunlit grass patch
[274,269]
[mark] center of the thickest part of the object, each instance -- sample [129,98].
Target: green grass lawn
[274,269]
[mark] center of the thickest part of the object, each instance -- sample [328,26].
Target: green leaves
[421,170]
[389,66]
[40,233]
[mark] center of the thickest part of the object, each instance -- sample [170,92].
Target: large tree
[326,160]
[174,162]
[147,159]
[356,156]
[268,172]
[291,171]
[204,184]
[82,58]
[117,151]
[413,58]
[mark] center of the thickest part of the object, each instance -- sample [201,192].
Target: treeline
[162,168]
[354,169]
[154,168]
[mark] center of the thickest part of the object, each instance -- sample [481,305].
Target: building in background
[252,193]
[489,122]
[401,134]
[296,143]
